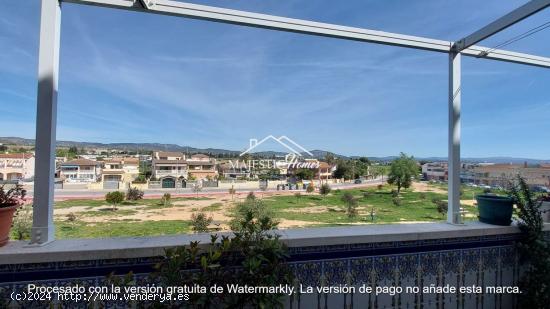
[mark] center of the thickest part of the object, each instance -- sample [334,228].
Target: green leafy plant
[251,205]
[134,194]
[12,197]
[114,198]
[200,222]
[351,204]
[254,256]
[534,249]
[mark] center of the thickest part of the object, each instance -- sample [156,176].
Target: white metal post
[46,119]
[453,212]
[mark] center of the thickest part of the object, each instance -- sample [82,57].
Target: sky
[134,77]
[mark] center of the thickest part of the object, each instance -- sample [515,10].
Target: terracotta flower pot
[6,219]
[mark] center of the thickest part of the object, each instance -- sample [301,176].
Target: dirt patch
[424,187]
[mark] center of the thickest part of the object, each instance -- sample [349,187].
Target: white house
[80,170]
[16,166]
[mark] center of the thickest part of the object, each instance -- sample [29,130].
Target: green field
[306,210]
[79,229]
[331,210]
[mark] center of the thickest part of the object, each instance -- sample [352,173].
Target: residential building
[202,167]
[502,174]
[435,171]
[325,171]
[121,169]
[16,166]
[80,170]
[170,168]
[234,170]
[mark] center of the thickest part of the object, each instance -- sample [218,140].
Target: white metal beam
[46,120]
[195,11]
[453,210]
[502,23]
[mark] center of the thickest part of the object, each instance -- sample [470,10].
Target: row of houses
[169,169]
[490,174]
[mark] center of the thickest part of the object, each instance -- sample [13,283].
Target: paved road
[63,194]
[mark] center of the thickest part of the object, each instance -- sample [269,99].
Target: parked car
[541,189]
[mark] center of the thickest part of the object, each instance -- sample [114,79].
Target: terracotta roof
[16,155]
[128,160]
[324,165]
[80,162]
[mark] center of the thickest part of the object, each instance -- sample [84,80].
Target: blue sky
[133,77]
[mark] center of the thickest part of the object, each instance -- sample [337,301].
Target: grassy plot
[80,229]
[331,210]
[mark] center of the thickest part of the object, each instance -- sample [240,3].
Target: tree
[3,148]
[305,174]
[351,204]
[232,192]
[342,170]
[329,158]
[402,171]
[197,188]
[114,198]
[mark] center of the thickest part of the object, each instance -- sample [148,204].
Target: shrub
[310,188]
[22,223]
[422,196]
[134,194]
[442,207]
[200,222]
[253,207]
[254,256]
[351,204]
[166,199]
[380,187]
[396,201]
[487,191]
[366,194]
[324,189]
[394,193]
[114,198]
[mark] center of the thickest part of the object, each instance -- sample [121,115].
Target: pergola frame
[48,67]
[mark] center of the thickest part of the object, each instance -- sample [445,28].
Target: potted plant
[545,208]
[10,200]
[495,209]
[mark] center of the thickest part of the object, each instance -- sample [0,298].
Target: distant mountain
[319,154]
